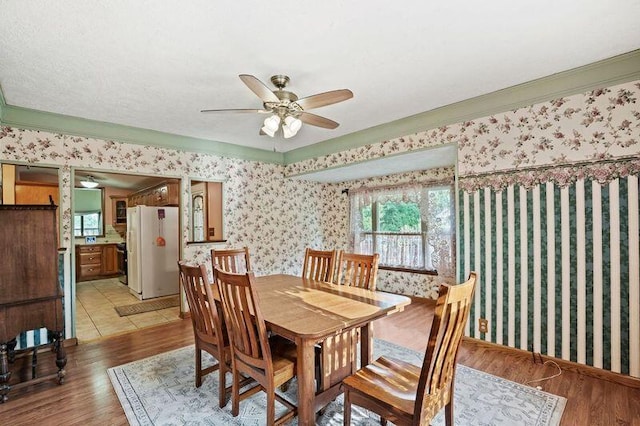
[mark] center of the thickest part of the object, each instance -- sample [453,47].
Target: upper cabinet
[119,212]
[165,194]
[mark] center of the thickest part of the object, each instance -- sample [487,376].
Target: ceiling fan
[285,108]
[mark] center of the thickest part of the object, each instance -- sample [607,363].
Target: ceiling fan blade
[316,120]
[259,88]
[326,98]
[259,111]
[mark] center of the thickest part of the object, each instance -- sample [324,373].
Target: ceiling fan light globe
[293,123]
[287,132]
[268,131]
[271,123]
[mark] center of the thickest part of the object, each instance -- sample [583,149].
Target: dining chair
[271,362]
[319,265]
[338,354]
[208,331]
[406,394]
[232,260]
[358,270]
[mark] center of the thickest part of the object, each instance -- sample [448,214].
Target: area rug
[151,305]
[160,390]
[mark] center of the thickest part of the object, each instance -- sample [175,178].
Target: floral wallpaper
[596,126]
[277,217]
[261,207]
[274,216]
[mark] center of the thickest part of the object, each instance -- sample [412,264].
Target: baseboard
[72,341]
[587,370]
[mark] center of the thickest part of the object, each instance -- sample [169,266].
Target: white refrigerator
[152,251]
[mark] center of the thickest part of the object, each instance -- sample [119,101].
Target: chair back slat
[447,329]
[245,324]
[205,318]
[358,270]
[232,260]
[319,265]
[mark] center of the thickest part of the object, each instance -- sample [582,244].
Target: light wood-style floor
[87,397]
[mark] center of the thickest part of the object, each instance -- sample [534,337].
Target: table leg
[366,345]
[306,388]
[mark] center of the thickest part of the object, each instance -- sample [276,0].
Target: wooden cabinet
[96,261]
[119,213]
[30,294]
[166,194]
[109,260]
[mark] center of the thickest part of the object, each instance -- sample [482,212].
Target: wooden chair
[409,395]
[358,270]
[208,331]
[270,362]
[338,353]
[231,260]
[319,265]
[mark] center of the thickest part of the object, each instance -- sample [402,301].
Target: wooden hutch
[30,294]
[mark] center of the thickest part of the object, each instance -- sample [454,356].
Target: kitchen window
[410,226]
[86,224]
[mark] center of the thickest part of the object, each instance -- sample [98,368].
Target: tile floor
[96,316]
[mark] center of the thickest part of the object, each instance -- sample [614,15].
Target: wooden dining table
[309,312]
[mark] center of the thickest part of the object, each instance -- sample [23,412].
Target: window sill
[413,271]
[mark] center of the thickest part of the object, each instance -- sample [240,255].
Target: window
[85,224]
[410,226]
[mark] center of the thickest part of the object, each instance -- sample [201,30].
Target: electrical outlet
[483,325]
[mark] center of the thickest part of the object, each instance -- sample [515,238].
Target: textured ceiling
[156,64]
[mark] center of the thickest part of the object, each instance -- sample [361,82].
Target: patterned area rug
[160,390]
[152,305]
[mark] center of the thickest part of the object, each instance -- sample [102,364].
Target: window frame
[81,217]
[423,233]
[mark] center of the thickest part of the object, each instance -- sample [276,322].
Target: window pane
[366,218]
[77,225]
[399,217]
[86,224]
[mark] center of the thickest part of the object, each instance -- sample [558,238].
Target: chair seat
[394,383]
[406,394]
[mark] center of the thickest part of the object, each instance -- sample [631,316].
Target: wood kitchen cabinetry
[96,261]
[109,260]
[119,213]
[165,194]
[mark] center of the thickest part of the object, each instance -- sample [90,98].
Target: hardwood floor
[87,397]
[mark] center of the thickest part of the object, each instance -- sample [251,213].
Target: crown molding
[25,118]
[608,72]
[3,104]
[616,70]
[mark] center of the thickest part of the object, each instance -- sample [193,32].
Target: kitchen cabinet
[165,194]
[96,261]
[119,213]
[109,259]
